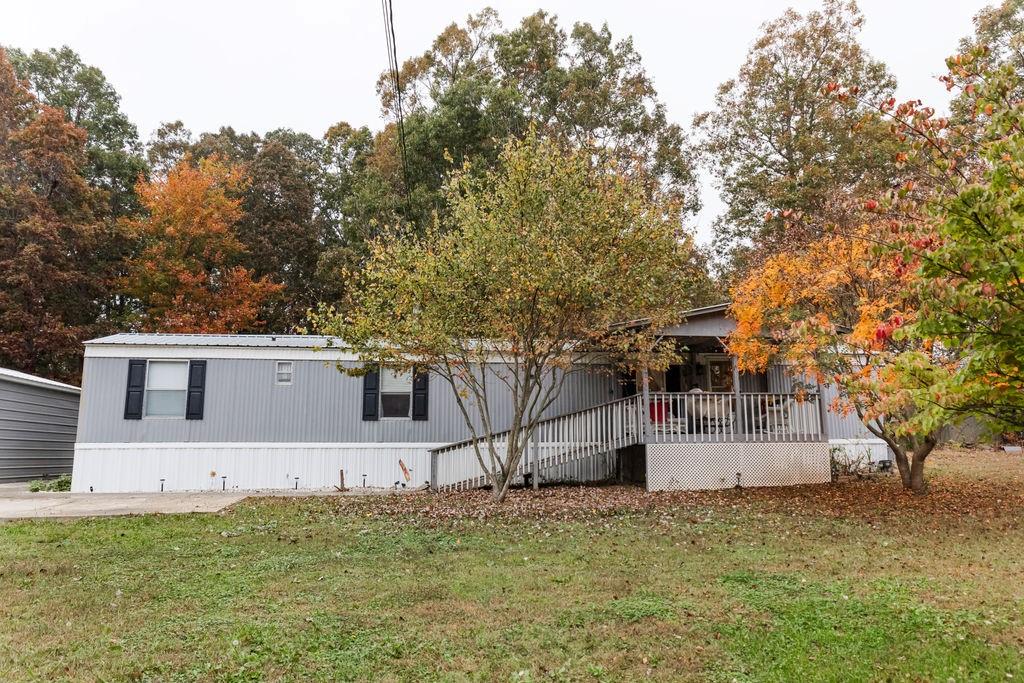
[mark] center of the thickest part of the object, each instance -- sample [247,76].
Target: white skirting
[859,451]
[124,467]
[697,466]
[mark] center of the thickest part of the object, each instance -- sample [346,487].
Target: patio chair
[716,414]
[776,417]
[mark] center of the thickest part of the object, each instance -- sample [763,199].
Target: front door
[719,374]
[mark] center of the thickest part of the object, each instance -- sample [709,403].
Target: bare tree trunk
[499,486]
[911,465]
[911,468]
[502,483]
[921,450]
[902,463]
[917,482]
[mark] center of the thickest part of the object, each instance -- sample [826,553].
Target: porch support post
[645,379]
[822,412]
[740,417]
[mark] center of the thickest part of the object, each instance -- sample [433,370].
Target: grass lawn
[853,581]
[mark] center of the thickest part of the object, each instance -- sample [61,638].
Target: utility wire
[389,39]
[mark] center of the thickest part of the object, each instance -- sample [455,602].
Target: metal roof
[692,313]
[285,341]
[32,380]
[705,310]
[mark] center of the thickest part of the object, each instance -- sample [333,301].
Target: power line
[389,39]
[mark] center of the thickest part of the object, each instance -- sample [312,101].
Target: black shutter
[136,389]
[196,389]
[420,394]
[371,395]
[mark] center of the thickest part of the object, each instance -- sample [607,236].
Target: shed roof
[283,341]
[17,377]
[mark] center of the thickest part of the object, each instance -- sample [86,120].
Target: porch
[705,398]
[667,440]
[698,424]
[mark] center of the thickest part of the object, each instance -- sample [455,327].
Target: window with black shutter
[395,394]
[165,388]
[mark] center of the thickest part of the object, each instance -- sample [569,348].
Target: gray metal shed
[38,420]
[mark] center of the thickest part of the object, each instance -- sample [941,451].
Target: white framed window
[283,372]
[395,394]
[166,388]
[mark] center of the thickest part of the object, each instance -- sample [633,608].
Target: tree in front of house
[970,253]
[534,264]
[188,277]
[835,309]
[778,146]
[51,277]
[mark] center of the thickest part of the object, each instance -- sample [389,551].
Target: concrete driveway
[16,502]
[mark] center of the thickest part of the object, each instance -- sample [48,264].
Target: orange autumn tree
[187,277]
[835,310]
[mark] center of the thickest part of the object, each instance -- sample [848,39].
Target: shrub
[61,483]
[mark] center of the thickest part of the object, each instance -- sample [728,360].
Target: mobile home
[195,412]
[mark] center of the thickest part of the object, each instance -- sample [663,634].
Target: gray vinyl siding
[837,426]
[37,431]
[322,405]
[753,382]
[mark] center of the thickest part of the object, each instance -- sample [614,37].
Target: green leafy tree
[998,30]
[60,79]
[479,84]
[282,232]
[534,264]
[779,147]
[168,146]
[969,243]
[288,213]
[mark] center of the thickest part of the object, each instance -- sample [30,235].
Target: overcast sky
[258,65]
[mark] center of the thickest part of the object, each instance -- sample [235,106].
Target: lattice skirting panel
[696,466]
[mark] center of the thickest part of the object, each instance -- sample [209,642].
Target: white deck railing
[669,418]
[720,417]
[556,441]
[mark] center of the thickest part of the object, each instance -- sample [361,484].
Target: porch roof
[706,321]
